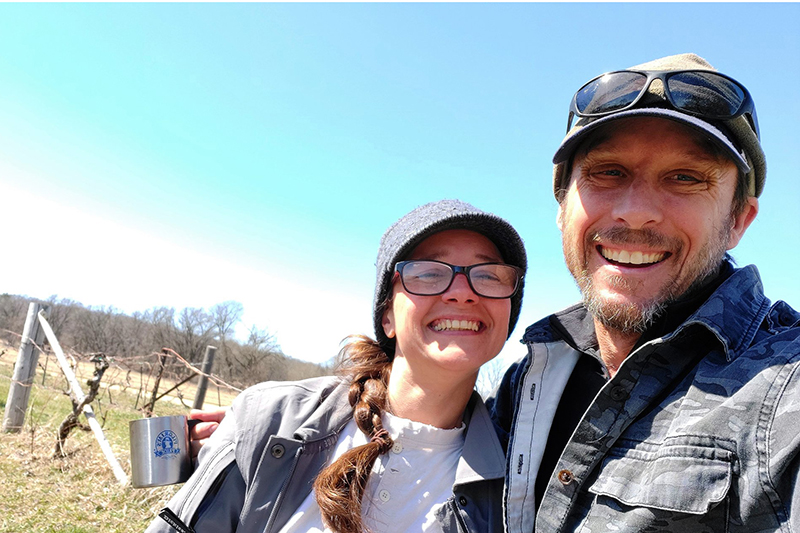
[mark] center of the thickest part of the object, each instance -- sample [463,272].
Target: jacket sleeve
[213,497]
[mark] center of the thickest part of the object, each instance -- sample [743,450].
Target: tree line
[87,329]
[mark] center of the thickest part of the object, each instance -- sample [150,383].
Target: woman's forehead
[457,242]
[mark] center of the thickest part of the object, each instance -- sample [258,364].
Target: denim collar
[732,313]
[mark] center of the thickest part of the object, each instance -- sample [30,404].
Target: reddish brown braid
[340,487]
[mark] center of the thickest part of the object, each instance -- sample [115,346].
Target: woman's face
[457,330]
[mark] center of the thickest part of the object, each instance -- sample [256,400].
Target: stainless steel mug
[160,450]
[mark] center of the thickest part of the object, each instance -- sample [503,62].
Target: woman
[399,441]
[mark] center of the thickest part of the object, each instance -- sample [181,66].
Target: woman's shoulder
[274,394]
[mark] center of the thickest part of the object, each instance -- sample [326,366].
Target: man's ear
[560,216]
[742,221]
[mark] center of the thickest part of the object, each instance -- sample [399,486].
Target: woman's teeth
[456,325]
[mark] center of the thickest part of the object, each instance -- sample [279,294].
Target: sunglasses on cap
[702,93]
[431,278]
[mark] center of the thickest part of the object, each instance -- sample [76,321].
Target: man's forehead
[648,130]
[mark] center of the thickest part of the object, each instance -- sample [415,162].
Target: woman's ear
[388,320]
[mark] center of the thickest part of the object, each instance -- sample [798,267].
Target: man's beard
[632,318]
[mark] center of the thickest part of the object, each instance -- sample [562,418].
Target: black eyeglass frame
[456,269]
[747,107]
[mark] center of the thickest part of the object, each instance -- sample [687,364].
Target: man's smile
[636,258]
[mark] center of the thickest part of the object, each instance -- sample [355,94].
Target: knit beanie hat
[405,234]
[735,136]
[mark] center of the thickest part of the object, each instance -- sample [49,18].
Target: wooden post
[79,396]
[202,385]
[24,371]
[149,408]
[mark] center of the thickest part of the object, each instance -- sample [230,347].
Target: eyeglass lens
[428,278]
[702,93]
[610,93]
[705,93]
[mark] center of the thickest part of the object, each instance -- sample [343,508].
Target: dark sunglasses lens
[426,277]
[494,281]
[610,92]
[706,94]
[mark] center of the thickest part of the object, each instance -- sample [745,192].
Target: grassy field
[77,493]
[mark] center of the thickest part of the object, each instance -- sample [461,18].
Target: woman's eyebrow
[481,257]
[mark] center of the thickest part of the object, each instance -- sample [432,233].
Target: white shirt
[407,484]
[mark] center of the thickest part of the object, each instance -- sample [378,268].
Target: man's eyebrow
[698,152]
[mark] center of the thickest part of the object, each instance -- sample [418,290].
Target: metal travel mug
[160,451]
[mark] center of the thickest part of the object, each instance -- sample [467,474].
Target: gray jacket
[697,432]
[260,464]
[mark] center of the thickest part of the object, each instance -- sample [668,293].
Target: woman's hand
[210,419]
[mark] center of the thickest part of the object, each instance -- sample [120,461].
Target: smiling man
[669,399]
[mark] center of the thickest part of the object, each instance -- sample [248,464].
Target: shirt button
[462,501]
[565,477]
[385,496]
[398,447]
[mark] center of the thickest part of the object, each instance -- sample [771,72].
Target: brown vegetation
[135,340]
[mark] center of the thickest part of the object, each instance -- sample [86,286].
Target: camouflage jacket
[699,430]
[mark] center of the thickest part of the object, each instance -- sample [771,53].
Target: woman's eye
[429,275]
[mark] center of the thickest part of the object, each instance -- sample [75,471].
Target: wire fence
[128,379]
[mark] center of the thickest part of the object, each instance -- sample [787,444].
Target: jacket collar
[732,313]
[482,456]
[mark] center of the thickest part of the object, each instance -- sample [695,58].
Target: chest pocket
[682,475]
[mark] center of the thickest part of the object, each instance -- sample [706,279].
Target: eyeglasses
[702,93]
[430,278]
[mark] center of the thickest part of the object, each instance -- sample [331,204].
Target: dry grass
[77,493]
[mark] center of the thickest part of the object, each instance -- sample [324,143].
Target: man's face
[647,214]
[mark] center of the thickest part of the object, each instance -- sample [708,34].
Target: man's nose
[638,205]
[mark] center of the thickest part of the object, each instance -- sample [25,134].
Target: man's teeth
[632,258]
[456,325]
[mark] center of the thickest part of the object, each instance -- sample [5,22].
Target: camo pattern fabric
[699,430]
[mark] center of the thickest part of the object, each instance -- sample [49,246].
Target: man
[669,399]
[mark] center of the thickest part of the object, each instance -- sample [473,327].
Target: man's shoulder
[741,316]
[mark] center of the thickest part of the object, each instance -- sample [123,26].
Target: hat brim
[578,134]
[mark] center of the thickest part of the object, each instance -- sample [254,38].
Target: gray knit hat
[736,137]
[405,234]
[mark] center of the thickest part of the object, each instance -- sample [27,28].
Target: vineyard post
[24,370]
[202,385]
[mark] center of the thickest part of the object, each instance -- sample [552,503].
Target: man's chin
[625,315]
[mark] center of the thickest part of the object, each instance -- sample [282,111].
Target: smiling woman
[399,440]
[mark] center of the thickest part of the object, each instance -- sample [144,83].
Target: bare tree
[195,332]
[12,314]
[490,376]
[225,316]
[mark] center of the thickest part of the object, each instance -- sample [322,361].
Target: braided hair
[340,486]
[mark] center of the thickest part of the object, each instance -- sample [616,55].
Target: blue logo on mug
[166,444]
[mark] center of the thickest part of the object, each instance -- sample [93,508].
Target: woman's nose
[459,290]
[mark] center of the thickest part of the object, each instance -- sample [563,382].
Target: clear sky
[187,154]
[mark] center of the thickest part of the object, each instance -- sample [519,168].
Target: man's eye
[610,173]
[685,178]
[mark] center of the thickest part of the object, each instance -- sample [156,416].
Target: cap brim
[574,138]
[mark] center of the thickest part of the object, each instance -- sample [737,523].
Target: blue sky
[187,154]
